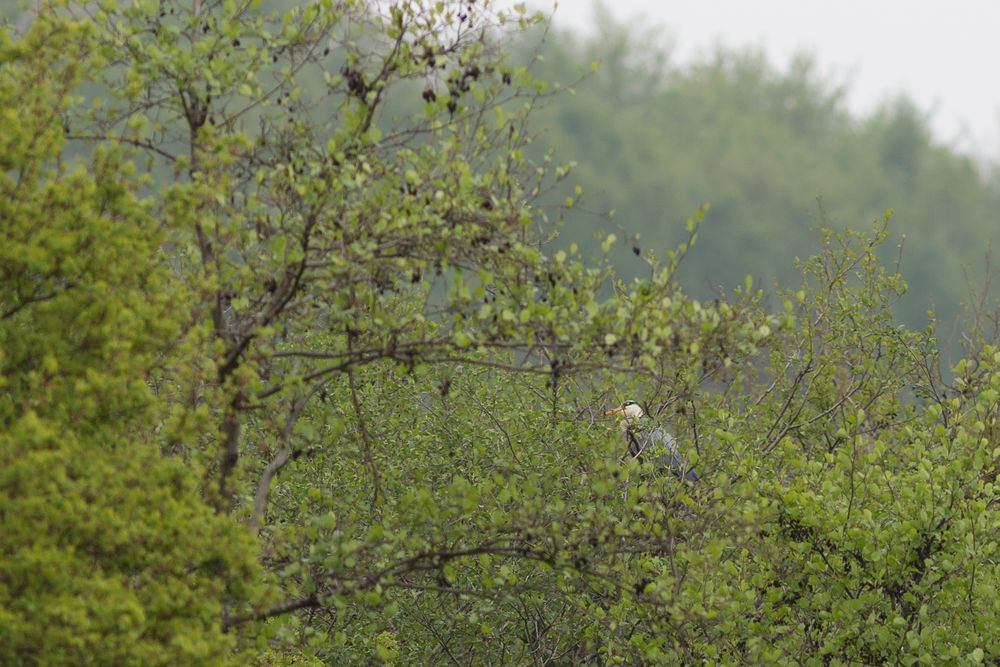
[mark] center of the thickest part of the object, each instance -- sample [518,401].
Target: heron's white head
[629,411]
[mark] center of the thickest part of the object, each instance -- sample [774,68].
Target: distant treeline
[776,154]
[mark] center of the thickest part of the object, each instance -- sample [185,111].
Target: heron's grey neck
[629,423]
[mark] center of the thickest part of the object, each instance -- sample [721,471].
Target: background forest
[312,315]
[777,156]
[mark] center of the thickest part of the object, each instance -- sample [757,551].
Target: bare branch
[284,456]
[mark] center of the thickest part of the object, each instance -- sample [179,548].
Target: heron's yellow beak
[615,411]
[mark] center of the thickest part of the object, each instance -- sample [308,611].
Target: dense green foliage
[108,553]
[323,389]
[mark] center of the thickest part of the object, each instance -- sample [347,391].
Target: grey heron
[644,437]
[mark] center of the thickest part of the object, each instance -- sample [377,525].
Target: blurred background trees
[774,152]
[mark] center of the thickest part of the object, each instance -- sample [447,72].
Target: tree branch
[282,458]
[309,601]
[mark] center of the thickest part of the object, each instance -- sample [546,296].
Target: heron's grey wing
[670,457]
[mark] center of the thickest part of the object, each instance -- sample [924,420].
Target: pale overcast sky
[944,55]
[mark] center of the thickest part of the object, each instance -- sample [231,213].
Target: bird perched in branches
[645,438]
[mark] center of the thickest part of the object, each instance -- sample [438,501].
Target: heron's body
[648,441]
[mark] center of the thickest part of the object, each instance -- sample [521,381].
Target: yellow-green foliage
[108,555]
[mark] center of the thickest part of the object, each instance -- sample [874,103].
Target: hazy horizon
[939,55]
